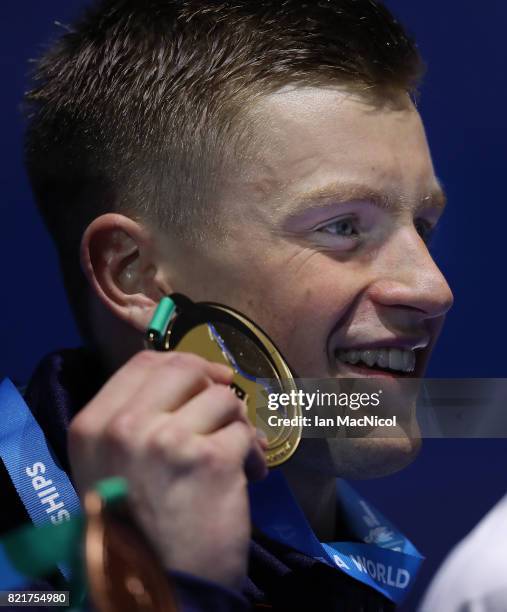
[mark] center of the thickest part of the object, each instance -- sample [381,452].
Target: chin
[359,459]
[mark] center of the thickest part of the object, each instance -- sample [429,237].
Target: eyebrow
[340,193]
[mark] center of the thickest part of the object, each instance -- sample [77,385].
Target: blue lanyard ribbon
[42,485]
[383,558]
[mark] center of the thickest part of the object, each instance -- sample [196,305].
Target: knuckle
[185,371]
[120,432]
[227,397]
[187,361]
[209,456]
[145,359]
[80,429]
[246,432]
[168,442]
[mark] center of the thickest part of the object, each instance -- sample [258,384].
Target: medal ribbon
[42,485]
[383,558]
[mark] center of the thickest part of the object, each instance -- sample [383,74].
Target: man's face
[325,248]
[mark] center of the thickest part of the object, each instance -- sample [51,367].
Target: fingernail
[227,370]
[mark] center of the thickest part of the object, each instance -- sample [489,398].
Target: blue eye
[424,229]
[345,228]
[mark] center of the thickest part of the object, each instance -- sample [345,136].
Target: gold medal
[223,335]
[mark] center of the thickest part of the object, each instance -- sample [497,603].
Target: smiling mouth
[401,362]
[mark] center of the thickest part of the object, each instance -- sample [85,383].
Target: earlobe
[118,258]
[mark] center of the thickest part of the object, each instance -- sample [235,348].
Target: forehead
[312,140]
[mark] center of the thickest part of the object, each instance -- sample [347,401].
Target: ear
[119,259]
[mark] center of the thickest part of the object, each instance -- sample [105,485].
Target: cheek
[299,305]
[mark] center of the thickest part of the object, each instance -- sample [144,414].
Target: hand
[170,425]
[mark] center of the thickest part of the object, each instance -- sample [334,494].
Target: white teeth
[395,359]
[408,361]
[383,358]
[369,357]
[386,358]
[353,356]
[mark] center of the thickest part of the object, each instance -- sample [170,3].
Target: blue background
[464,98]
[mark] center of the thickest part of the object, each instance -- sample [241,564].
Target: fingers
[207,412]
[169,388]
[153,381]
[216,417]
[176,392]
[211,410]
[240,443]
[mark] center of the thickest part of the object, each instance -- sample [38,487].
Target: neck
[316,495]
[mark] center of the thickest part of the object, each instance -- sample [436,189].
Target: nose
[408,277]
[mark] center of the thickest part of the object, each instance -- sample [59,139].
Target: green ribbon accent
[160,321]
[36,551]
[112,490]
